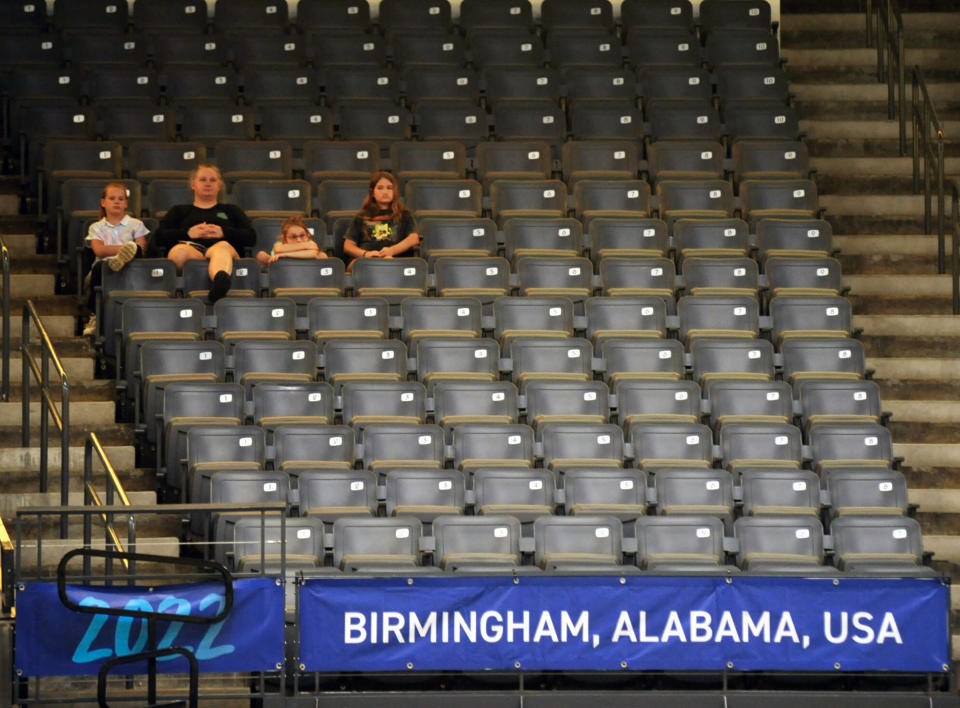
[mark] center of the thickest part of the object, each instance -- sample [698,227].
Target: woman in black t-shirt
[383,228]
[206,229]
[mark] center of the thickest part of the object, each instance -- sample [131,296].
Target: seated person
[206,229]
[116,240]
[295,242]
[383,228]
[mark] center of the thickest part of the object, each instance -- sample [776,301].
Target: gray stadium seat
[522,493]
[681,544]
[585,544]
[692,490]
[364,360]
[378,546]
[879,545]
[616,492]
[456,402]
[425,494]
[366,402]
[736,358]
[781,545]
[624,316]
[440,317]
[348,318]
[671,444]
[566,401]
[581,445]
[313,446]
[331,494]
[457,359]
[780,491]
[477,544]
[760,445]
[477,445]
[389,445]
[642,358]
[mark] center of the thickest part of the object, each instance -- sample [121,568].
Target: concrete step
[913,286]
[82,413]
[945,547]
[53,549]
[800,62]
[925,411]
[874,204]
[57,326]
[915,346]
[875,92]
[95,390]
[886,244]
[912,21]
[20,245]
[77,368]
[25,461]
[915,368]
[9,204]
[908,325]
[34,263]
[873,305]
[928,454]
[9,503]
[857,166]
[918,390]
[944,501]
[28,285]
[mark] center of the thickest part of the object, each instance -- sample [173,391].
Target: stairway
[92,406]
[911,340]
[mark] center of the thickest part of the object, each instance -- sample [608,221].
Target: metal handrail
[7,567]
[48,408]
[928,147]
[5,373]
[90,497]
[890,59]
[955,251]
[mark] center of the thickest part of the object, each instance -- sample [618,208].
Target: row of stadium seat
[411,160]
[393,15]
[186,84]
[647,376]
[509,198]
[37,121]
[865,545]
[528,493]
[272,396]
[379,443]
[562,48]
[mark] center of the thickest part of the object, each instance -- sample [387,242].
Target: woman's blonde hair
[106,188]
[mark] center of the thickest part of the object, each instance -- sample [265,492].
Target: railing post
[44,418]
[869,16]
[902,86]
[955,256]
[25,379]
[5,374]
[87,501]
[914,96]
[941,238]
[64,454]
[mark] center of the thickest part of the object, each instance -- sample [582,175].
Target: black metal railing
[955,250]
[151,654]
[48,407]
[928,161]
[927,130]
[5,371]
[886,16]
[7,567]
[114,491]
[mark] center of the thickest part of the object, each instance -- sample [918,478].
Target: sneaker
[123,256]
[90,328]
[221,284]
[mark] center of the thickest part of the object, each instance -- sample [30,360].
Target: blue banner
[55,641]
[636,623]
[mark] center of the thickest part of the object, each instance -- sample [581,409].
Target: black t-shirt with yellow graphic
[373,233]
